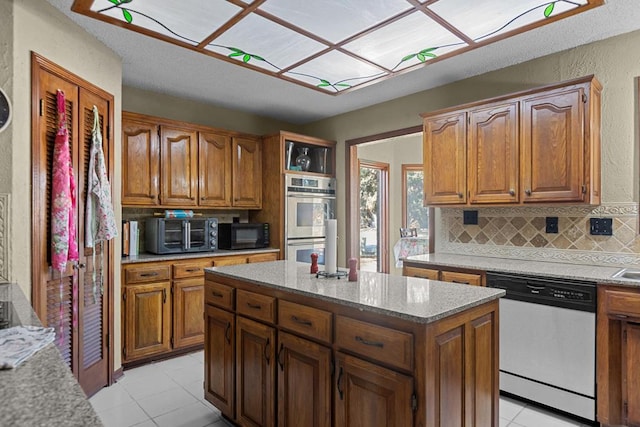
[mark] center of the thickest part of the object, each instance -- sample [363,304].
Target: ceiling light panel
[334,72]
[189,21]
[335,20]
[263,43]
[484,19]
[408,41]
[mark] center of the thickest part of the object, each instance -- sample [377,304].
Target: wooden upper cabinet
[178,166]
[493,154]
[553,146]
[537,146]
[140,162]
[214,170]
[444,152]
[247,173]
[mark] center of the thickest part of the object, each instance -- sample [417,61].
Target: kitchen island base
[278,354]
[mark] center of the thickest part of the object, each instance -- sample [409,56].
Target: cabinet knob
[460,195]
[192,198]
[153,196]
[527,192]
[203,198]
[512,192]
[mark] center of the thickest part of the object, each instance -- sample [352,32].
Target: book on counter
[134,235]
[125,238]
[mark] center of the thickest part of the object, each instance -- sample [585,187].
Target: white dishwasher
[548,341]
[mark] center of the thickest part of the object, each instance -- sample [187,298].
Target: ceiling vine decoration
[331,45]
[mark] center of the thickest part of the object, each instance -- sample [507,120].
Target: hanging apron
[100,221]
[64,246]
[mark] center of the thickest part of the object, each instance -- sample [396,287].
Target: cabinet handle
[192,198]
[622,316]
[192,270]
[267,346]
[460,195]
[153,196]
[216,294]
[301,321]
[527,192]
[371,343]
[164,296]
[254,306]
[148,274]
[339,384]
[227,332]
[460,281]
[203,198]
[512,192]
[280,357]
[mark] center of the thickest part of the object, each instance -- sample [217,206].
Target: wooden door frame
[38,293]
[353,179]
[382,239]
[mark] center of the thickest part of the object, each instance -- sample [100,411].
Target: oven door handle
[304,244]
[310,196]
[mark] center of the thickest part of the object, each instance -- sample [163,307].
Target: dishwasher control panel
[567,293]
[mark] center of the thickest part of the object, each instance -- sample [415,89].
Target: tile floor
[169,393]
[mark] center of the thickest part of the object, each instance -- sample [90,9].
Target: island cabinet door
[369,395]
[304,383]
[255,373]
[219,379]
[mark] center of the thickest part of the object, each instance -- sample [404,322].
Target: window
[414,214]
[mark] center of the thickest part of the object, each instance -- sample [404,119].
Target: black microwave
[242,235]
[173,235]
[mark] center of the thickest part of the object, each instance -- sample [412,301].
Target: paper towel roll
[331,246]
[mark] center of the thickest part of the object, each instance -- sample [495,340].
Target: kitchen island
[286,347]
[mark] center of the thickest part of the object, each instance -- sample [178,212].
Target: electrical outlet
[552,224]
[601,226]
[470,217]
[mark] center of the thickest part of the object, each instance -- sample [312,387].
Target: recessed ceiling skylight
[331,46]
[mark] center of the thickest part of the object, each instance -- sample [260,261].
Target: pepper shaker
[353,273]
[314,263]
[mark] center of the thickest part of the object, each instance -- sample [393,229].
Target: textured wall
[41,28]
[615,62]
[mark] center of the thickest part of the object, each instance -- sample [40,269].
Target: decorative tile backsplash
[519,232]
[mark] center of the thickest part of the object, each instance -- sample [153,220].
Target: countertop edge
[149,257]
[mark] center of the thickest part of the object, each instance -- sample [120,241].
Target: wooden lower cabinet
[255,373]
[618,362]
[219,354]
[304,382]
[188,303]
[148,319]
[423,273]
[370,395]
[180,327]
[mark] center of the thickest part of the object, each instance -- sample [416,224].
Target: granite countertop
[42,390]
[148,257]
[599,274]
[417,300]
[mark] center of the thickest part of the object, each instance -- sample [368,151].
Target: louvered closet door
[73,303]
[60,290]
[93,311]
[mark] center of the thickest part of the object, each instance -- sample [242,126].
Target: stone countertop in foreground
[413,299]
[594,273]
[42,390]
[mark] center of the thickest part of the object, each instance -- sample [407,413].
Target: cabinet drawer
[624,303]
[465,278]
[257,306]
[263,257]
[424,273]
[376,342]
[305,320]
[147,273]
[218,294]
[232,260]
[190,269]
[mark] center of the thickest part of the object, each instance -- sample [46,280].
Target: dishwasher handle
[534,289]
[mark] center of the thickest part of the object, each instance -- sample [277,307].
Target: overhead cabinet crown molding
[536,146]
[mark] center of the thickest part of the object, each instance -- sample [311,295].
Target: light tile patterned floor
[170,393]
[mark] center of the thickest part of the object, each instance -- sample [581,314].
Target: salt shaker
[314,263]
[353,272]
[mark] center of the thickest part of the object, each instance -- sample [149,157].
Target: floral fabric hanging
[100,221]
[64,246]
